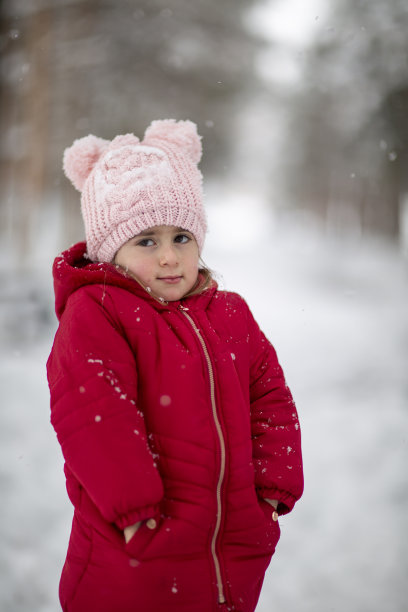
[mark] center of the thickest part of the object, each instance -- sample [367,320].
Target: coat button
[275,515]
[151,523]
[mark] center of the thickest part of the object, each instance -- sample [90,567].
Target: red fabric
[131,405]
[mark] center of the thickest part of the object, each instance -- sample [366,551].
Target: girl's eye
[145,242]
[182,238]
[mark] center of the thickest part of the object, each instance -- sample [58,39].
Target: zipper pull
[181,307]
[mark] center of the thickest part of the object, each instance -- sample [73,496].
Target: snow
[165,400]
[293,23]
[289,27]
[335,309]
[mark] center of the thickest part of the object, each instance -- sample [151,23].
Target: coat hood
[72,269]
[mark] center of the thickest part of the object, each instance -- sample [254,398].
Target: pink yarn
[128,186]
[81,157]
[182,133]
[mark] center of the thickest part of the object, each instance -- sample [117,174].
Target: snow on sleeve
[93,383]
[275,427]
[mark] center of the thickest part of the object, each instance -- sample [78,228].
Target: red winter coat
[176,412]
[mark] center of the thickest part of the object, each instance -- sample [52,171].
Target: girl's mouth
[170,280]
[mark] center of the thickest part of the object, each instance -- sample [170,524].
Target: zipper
[216,561]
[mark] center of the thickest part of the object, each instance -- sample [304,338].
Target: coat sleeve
[93,382]
[276,440]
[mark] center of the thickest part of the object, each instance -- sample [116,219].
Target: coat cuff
[141,514]
[286,500]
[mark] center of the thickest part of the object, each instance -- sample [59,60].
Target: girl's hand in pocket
[272,502]
[130,531]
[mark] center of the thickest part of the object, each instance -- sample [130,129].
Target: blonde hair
[204,281]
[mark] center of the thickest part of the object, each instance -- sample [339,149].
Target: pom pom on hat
[180,133]
[122,140]
[81,157]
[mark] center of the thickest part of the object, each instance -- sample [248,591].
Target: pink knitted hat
[128,186]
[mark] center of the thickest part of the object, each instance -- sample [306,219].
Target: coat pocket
[272,526]
[147,531]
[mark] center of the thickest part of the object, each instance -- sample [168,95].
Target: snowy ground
[336,311]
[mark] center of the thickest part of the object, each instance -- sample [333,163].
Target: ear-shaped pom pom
[123,140]
[181,133]
[81,157]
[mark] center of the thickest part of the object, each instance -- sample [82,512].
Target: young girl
[180,437]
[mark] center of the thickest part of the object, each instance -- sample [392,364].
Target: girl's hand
[130,531]
[273,502]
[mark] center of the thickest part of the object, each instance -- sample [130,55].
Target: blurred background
[302,106]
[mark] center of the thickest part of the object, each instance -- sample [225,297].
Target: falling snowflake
[165,400]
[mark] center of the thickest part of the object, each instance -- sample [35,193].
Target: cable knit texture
[130,185]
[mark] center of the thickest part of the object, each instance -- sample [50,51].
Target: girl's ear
[183,134]
[81,157]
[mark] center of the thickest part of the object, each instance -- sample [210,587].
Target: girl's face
[164,259]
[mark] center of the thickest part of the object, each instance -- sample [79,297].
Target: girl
[180,437]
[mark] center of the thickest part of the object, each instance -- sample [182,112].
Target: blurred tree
[348,125]
[73,67]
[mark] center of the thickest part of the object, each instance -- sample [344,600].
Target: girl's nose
[168,256]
